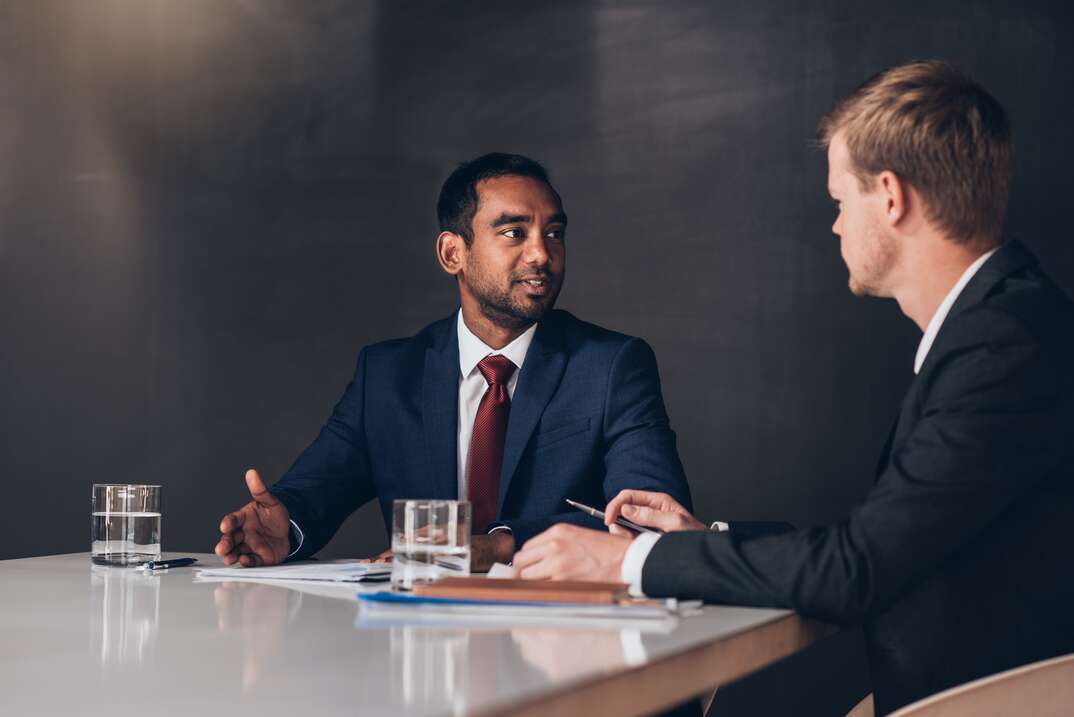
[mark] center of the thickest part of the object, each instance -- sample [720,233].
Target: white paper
[499,570]
[326,572]
[373,615]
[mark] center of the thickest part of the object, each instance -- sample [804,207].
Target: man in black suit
[959,561]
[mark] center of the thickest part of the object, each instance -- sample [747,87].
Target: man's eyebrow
[506,218]
[558,218]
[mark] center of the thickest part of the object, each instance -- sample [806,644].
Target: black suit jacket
[959,562]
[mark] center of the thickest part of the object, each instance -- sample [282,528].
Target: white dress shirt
[472,387]
[634,559]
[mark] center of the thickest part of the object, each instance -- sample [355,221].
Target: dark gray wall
[208,207]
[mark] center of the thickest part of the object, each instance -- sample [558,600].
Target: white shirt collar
[945,306]
[473,349]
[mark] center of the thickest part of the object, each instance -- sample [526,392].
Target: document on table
[309,571]
[653,610]
[394,609]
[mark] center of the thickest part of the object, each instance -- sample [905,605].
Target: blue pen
[165,564]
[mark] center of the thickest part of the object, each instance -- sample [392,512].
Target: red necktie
[486,442]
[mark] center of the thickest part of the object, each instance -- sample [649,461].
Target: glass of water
[126,524]
[430,539]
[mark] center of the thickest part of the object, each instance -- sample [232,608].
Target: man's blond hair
[940,132]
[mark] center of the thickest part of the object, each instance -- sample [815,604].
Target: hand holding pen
[589,510]
[657,512]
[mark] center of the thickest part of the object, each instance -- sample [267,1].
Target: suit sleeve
[639,445]
[755,529]
[331,478]
[990,427]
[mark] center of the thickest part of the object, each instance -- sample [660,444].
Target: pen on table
[620,520]
[165,564]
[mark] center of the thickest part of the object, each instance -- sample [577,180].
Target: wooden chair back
[1040,689]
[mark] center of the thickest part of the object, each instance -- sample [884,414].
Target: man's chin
[533,307]
[533,311]
[860,288]
[876,289]
[519,314]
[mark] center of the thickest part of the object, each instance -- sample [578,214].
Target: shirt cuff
[719,526]
[502,529]
[297,538]
[634,561]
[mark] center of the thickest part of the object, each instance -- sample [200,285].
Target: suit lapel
[537,381]
[440,412]
[1009,258]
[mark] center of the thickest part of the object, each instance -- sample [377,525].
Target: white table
[82,639]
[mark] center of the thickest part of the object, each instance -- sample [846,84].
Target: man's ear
[451,252]
[895,196]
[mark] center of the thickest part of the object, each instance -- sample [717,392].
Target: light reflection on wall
[132,133]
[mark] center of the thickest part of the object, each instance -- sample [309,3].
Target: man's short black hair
[458,197]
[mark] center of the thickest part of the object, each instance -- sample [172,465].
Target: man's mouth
[536,285]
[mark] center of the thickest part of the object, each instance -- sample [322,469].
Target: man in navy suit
[507,403]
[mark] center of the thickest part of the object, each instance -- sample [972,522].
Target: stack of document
[392,609]
[391,602]
[305,571]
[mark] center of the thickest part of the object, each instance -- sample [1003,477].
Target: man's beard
[499,307]
[882,254]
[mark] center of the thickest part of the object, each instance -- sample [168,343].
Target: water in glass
[125,524]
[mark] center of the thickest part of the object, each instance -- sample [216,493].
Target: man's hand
[567,552]
[256,533]
[495,547]
[653,510]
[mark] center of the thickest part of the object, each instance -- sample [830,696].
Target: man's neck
[492,335]
[932,266]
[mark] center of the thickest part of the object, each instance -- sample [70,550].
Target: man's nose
[535,251]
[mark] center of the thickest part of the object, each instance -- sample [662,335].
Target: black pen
[165,564]
[620,520]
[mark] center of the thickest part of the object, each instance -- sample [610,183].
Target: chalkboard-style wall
[207,207]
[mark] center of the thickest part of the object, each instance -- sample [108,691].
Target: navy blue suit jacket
[587,420]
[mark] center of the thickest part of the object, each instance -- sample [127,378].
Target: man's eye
[557,234]
[514,234]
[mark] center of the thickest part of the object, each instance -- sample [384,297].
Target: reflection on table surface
[124,613]
[171,644]
[257,616]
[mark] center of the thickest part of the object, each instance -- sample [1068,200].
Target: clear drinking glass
[430,539]
[126,524]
